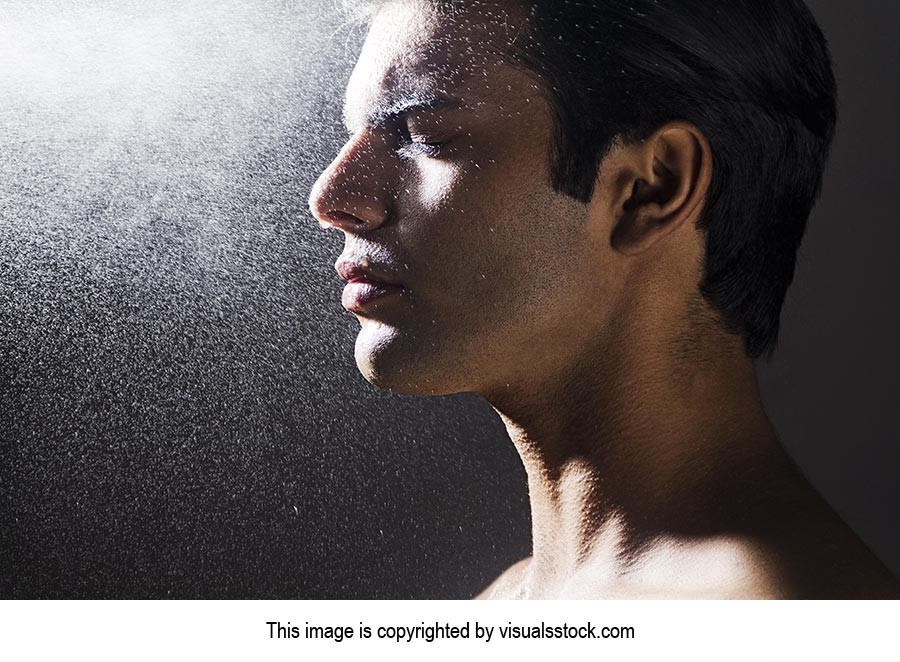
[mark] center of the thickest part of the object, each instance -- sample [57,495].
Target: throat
[615,469]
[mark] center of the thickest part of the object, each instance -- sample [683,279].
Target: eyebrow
[385,113]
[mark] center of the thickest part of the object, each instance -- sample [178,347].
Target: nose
[353,193]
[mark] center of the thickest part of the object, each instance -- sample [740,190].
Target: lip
[364,285]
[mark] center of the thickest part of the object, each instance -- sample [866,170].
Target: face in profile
[466,270]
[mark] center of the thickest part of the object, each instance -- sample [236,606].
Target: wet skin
[653,470]
[486,251]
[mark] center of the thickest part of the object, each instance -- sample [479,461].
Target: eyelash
[430,148]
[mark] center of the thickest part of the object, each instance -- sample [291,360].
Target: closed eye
[418,144]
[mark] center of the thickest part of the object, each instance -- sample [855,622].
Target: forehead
[418,54]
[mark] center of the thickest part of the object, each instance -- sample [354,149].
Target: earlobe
[671,174]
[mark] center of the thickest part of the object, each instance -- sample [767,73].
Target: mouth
[365,285]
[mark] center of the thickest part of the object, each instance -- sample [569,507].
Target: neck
[642,448]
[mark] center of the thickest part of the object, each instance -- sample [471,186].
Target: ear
[659,185]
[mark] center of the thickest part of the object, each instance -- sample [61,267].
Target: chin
[402,362]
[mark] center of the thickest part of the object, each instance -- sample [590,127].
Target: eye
[418,144]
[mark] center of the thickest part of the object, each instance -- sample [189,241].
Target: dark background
[180,414]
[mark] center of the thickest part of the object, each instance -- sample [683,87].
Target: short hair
[754,76]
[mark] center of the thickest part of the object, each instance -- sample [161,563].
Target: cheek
[447,220]
[540,246]
[493,237]
[434,184]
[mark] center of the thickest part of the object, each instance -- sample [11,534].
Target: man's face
[443,190]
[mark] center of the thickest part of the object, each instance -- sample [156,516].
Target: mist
[180,412]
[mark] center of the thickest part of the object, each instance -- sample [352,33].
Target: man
[588,213]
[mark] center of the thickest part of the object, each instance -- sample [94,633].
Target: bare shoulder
[508,586]
[826,563]
[729,567]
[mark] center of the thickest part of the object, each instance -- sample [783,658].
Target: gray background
[180,415]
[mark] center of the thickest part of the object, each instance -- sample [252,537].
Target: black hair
[754,76]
